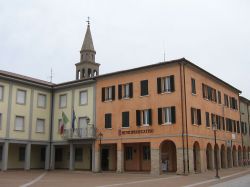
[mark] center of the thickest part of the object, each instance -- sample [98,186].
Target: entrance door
[105,161]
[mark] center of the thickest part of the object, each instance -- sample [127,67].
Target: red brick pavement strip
[66,178]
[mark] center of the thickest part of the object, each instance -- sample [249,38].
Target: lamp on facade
[214,127]
[100,148]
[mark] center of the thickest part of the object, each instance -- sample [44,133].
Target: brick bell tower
[87,67]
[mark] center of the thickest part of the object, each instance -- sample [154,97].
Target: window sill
[194,94]
[167,124]
[18,130]
[144,96]
[125,127]
[166,92]
[196,125]
[126,98]
[40,132]
[107,101]
[108,128]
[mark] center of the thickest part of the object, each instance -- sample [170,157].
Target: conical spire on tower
[87,67]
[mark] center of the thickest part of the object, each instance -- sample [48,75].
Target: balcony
[80,133]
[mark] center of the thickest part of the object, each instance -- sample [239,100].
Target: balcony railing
[80,133]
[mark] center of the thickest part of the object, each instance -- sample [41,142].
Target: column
[5,156]
[93,157]
[52,158]
[191,160]
[120,157]
[180,161]
[203,160]
[97,157]
[27,156]
[47,157]
[155,161]
[71,157]
[212,160]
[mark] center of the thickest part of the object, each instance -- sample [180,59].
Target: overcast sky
[37,35]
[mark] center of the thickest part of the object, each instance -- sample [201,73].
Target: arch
[83,73]
[239,156]
[78,75]
[95,73]
[234,156]
[223,156]
[89,73]
[168,155]
[244,156]
[209,156]
[197,157]
[229,157]
[216,156]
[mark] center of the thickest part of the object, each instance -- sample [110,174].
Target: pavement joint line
[141,181]
[34,180]
[213,180]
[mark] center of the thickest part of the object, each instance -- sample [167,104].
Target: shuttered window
[125,91]
[19,123]
[41,100]
[108,93]
[63,101]
[207,120]
[21,97]
[1,93]
[144,87]
[193,86]
[219,97]
[108,121]
[125,119]
[144,117]
[195,116]
[83,97]
[40,125]
[165,84]
[166,115]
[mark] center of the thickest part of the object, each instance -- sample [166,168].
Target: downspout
[182,134]
[51,127]
[186,116]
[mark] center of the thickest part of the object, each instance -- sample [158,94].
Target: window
[146,152]
[207,120]
[128,153]
[226,100]
[63,101]
[1,121]
[40,123]
[21,154]
[233,103]
[42,154]
[82,123]
[196,116]
[83,98]
[144,117]
[19,123]
[125,90]
[125,119]
[41,100]
[193,86]
[58,154]
[108,93]
[1,93]
[165,84]
[238,127]
[166,115]
[209,93]
[21,97]
[108,121]
[219,97]
[144,87]
[78,154]
[229,125]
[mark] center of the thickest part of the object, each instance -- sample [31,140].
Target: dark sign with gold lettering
[145,131]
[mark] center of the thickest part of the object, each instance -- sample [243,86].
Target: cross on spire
[88,21]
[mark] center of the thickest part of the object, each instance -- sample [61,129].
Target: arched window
[89,73]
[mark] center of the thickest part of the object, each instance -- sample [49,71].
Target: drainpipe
[51,126]
[182,134]
[186,116]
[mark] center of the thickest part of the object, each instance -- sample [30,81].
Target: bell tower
[87,67]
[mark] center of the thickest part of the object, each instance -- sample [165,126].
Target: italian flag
[65,120]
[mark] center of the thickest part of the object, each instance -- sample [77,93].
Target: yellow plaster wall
[13,159]
[85,163]
[41,113]
[35,157]
[64,164]
[4,108]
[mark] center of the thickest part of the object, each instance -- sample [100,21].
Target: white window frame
[19,129]
[145,117]
[108,93]
[38,100]
[1,92]
[37,123]
[167,116]
[17,96]
[80,97]
[166,84]
[60,100]
[126,91]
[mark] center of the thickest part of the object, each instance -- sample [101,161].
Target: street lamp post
[100,148]
[216,159]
